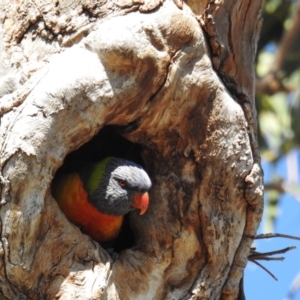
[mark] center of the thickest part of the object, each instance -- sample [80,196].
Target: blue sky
[258,284]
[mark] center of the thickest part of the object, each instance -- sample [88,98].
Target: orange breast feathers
[73,201]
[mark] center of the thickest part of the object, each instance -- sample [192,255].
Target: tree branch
[272,83]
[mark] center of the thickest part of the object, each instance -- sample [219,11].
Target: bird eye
[122,182]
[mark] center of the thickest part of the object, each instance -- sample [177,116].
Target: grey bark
[182,74]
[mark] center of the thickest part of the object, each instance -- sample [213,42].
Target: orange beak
[141,201]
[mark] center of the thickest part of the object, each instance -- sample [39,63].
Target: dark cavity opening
[106,143]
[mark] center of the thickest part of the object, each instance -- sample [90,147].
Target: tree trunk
[176,78]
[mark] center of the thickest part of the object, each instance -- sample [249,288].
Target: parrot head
[117,186]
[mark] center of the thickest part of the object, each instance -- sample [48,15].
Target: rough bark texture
[187,95]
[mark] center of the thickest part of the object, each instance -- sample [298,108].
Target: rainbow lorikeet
[97,197]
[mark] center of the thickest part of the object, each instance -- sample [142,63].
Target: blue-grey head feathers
[120,181]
